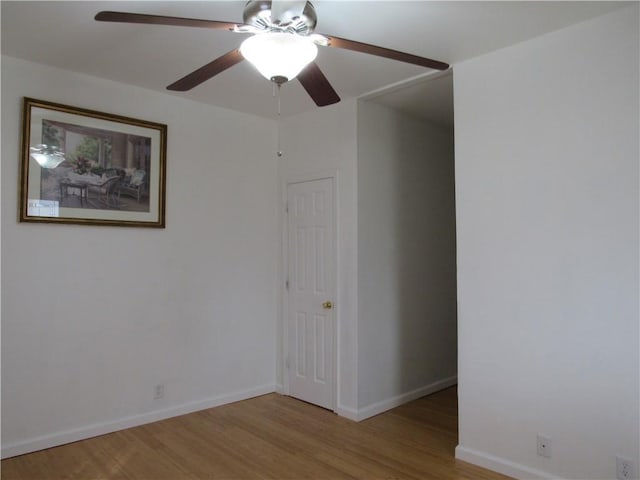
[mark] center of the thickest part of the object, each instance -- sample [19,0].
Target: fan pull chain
[277,94]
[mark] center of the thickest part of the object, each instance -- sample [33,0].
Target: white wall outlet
[544,445]
[158,392]
[624,468]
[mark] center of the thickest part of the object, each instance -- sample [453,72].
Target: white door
[311,291]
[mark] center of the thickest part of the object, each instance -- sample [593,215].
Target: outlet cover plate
[624,468]
[544,445]
[158,392]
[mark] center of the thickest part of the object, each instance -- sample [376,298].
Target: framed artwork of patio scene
[87,167]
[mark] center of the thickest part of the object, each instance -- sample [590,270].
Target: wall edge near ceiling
[405,83]
[94,430]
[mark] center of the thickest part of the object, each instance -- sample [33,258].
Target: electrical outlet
[544,445]
[624,468]
[158,392]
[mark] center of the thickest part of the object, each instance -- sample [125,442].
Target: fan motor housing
[258,14]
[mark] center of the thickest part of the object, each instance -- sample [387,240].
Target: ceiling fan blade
[208,71]
[317,85]
[384,52]
[284,11]
[124,17]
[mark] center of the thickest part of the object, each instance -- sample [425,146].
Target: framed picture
[91,168]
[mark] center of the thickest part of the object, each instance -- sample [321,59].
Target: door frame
[284,269]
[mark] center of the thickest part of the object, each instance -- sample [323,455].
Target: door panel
[311,275]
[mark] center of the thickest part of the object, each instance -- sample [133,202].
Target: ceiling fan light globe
[279,55]
[47,156]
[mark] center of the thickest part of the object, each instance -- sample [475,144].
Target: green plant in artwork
[89,148]
[51,135]
[91,153]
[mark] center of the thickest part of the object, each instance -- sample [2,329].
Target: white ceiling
[64,35]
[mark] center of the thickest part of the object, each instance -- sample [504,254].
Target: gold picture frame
[85,167]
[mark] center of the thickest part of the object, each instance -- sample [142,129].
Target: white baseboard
[501,465]
[82,433]
[388,404]
[347,412]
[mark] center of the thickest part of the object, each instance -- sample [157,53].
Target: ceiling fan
[283,45]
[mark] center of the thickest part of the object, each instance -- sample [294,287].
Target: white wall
[94,317]
[323,141]
[547,226]
[332,140]
[406,258]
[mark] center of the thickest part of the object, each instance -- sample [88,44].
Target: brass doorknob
[327,305]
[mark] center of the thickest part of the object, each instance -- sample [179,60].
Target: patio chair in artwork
[133,185]
[105,191]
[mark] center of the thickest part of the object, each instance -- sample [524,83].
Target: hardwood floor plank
[268,437]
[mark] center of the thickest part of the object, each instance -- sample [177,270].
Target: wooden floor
[267,437]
